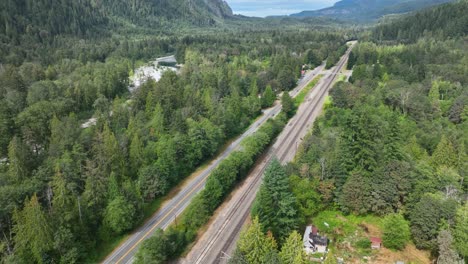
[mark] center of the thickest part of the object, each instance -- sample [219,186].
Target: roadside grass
[103,249]
[341,78]
[302,94]
[328,102]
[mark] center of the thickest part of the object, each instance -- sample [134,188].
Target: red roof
[314,230]
[376,240]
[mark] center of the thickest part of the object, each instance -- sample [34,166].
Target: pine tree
[276,205]
[136,153]
[434,93]
[396,232]
[157,122]
[112,152]
[444,154]
[33,233]
[113,187]
[287,103]
[355,195]
[62,201]
[292,250]
[17,157]
[392,142]
[254,244]
[269,97]
[415,150]
[460,231]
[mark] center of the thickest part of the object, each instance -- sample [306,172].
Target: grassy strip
[302,94]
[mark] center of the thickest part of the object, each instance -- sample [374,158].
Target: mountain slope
[365,10]
[52,17]
[199,12]
[445,21]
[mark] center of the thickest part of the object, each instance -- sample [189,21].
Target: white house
[313,242]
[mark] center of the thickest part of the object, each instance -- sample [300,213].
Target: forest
[391,146]
[66,190]
[396,132]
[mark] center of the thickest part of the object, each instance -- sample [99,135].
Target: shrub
[396,232]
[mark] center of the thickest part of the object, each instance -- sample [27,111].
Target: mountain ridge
[367,10]
[53,17]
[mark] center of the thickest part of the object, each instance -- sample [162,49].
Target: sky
[263,8]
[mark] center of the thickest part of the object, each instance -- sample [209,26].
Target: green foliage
[444,154]
[363,243]
[460,231]
[287,104]
[312,58]
[221,181]
[286,79]
[427,216]
[434,20]
[396,232]
[393,140]
[33,237]
[275,206]
[119,215]
[254,244]
[154,250]
[292,250]
[18,158]
[268,97]
[355,196]
[309,200]
[303,93]
[334,56]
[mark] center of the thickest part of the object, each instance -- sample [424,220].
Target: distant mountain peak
[365,10]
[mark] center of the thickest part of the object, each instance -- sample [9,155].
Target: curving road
[172,208]
[219,241]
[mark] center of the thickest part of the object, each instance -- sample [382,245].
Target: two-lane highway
[175,206]
[219,240]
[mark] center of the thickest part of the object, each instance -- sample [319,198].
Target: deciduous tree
[396,233]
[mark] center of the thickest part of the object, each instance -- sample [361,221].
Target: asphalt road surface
[173,207]
[219,240]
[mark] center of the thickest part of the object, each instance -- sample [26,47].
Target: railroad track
[259,175]
[331,77]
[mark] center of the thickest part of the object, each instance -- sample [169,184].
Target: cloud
[264,8]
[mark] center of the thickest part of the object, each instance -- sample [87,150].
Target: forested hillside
[45,18]
[388,157]
[369,10]
[442,22]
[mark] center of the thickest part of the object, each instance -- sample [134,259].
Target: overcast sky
[262,8]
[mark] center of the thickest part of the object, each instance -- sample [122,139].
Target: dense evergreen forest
[397,132]
[66,190]
[390,147]
[445,21]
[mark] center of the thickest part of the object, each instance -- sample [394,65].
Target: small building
[313,241]
[376,243]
